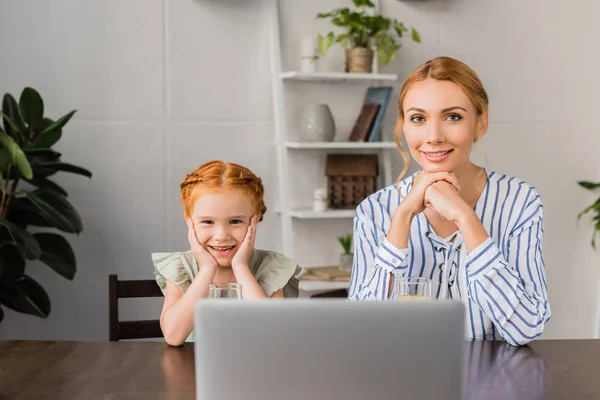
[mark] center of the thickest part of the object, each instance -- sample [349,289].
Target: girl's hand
[204,259]
[242,256]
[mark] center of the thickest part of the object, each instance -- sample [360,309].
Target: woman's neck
[471,179]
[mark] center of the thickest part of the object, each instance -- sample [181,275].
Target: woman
[476,234]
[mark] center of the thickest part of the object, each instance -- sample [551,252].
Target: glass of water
[227,291]
[412,288]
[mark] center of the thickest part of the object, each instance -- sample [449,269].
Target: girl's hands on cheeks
[204,259]
[242,256]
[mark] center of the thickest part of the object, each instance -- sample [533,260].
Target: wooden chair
[339,293]
[130,289]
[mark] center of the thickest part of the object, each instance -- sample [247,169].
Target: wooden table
[150,370]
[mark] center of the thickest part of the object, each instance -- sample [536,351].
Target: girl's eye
[454,117]
[206,222]
[236,221]
[417,118]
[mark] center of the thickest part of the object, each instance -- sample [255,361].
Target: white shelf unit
[284,145]
[335,76]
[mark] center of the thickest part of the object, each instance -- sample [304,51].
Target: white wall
[164,85]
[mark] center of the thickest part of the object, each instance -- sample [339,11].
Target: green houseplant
[31,203]
[347,256]
[364,33]
[594,208]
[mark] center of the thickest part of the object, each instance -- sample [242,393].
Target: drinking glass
[412,288]
[227,291]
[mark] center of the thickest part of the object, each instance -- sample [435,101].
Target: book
[379,95]
[364,122]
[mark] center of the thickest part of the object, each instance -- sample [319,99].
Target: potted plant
[31,203]
[364,33]
[594,208]
[347,256]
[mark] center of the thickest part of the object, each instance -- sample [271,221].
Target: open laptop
[329,349]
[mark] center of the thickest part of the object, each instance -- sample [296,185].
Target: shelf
[335,76]
[307,213]
[340,145]
[322,286]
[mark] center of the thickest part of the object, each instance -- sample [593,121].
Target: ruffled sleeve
[174,267]
[276,271]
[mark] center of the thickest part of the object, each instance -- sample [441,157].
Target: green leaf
[41,154]
[593,206]
[325,43]
[416,36]
[10,109]
[12,262]
[589,185]
[363,3]
[56,209]
[50,168]
[24,240]
[31,107]
[26,296]
[16,155]
[44,183]
[58,124]
[47,138]
[57,254]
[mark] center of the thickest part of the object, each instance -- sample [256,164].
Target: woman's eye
[417,118]
[454,117]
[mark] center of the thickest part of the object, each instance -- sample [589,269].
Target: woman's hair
[441,69]
[217,174]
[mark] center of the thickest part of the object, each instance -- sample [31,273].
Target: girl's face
[440,125]
[221,219]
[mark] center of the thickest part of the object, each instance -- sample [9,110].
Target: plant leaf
[589,185]
[16,155]
[10,108]
[12,262]
[47,138]
[58,124]
[416,36]
[31,107]
[57,254]
[50,168]
[25,242]
[25,295]
[44,183]
[56,210]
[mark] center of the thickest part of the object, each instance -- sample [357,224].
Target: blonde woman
[477,234]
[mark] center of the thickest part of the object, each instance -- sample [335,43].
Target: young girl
[476,234]
[223,203]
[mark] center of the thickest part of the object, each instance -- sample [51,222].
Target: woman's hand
[242,256]
[414,202]
[204,259]
[444,199]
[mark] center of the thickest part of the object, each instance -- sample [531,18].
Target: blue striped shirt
[502,282]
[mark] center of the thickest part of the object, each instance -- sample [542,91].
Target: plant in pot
[594,208]
[32,205]
[347,256]
[365,34]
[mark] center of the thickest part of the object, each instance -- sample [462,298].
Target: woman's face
[440,125]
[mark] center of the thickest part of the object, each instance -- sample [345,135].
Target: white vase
[346,261]
[317,124]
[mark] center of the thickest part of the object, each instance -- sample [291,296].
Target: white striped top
[502,282]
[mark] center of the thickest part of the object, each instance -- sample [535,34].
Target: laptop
[309,349]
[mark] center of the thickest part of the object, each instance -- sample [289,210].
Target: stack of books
[367,127]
